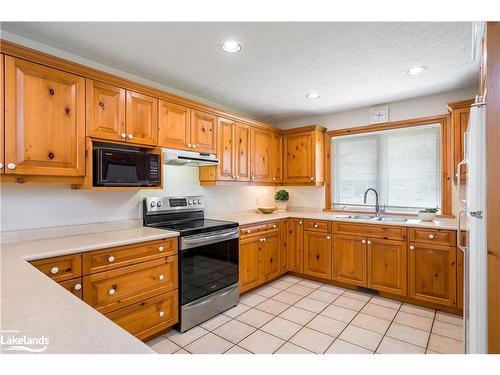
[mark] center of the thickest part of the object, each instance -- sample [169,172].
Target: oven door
[208,263]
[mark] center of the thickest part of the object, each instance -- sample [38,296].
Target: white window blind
[403,165]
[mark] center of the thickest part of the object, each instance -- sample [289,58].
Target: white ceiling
[350,64]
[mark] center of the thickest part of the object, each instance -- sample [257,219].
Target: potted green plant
[281,198]
[428,214]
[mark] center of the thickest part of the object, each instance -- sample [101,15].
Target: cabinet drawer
[74,286]
[108,259]
[371,230]
[259,228]
[60,268]
[317,225]
[433,236]
[146,318]
[111,290]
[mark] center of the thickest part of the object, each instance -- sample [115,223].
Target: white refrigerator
[475,251]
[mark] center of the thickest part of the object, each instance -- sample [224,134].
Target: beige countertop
[34,305]
[244,218]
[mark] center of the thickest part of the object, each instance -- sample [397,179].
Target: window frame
[446,155]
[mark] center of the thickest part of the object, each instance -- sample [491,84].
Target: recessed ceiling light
[416,70]
[313,95]
[231,46]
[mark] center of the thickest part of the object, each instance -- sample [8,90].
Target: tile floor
[294,316]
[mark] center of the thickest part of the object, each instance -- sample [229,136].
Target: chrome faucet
[377,207]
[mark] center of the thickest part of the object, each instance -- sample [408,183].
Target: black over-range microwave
[125,166]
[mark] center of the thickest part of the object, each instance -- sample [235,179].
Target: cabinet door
[242,152]
[105,111]
[296,245]
[432,273]
[225,149]
[299,158]
[283,224]
[387,262]
[318,254]
[1,116]
[261,155]
[203,132]
[349,259]
[460,120]
[249,267]
[460,279]
[277,159]
[270,257]
[142,119]
[174,130]
[45,120]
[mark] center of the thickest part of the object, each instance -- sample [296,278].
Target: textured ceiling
[349,64]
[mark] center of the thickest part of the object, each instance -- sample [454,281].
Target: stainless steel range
[208,256]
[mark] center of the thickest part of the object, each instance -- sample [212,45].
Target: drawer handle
[162,314]
[363,241]
[412,247]
[54,270]
[161,277]
[123,135]
[274,226]
[369,242]
[327,237]
[262,240]
[111,259]
[78,286]
[248,230]
[160,249]
[431,236]
[111,291]
[300,222]
[312,178]
[130,136]
[316,225]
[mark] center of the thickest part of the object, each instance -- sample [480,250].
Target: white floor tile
[361,337]
[183,339]
[344,347]
[209,344]
[282,328]
[311,304]
[255,318]
[327,325]
[296,315]
[312,340]
[393,346]
[261,342]
[234,331]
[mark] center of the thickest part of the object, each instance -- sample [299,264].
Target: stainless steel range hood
[189,158]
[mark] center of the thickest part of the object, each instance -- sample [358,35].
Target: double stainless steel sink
[389,219]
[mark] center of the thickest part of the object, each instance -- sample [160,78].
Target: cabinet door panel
[283,225]
[318,254]
[242,152]
[299,158]
[105,111]
[296,245]
[349,259]
[277,158]
[174,130]
[261,155]
[45,120]
[225,149]
[203,132]
[249,267]
[142,118]
[270,257]
[432,273]
[387,266]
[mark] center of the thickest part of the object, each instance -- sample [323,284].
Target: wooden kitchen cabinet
[141,119]
[2,162]
[277,158]
[226,150]
[296,245]
[284,259]
[349,259]
[304,155]
[203,132]
[249,267]
[270,257]
[61,268]
[318,254]
[74,286]
[261,152]
[105,111]
[432,273]
[44,120]
[174,127]
[387,266]
[242,151]
[459,123]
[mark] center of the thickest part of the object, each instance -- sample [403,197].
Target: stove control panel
[165,204]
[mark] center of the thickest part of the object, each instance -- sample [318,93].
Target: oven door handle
[200,240]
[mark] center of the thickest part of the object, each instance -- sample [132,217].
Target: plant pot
[281,206]
[426,216]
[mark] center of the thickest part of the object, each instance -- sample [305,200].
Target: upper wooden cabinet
[142,118]
[44,120]
[459,123]
[174,129]
[203,132]
[242,151]
[304,155]
[261,146]
[105,111]
[277,158]
[226,149]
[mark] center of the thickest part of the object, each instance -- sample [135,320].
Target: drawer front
[260,228]
[61,268]
[370,230]
[108,259]
[146,318]
[74,286]
[433,236]
[111,290]
[317,225]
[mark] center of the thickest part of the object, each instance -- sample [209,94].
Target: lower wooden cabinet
[432,273]
[283,225]
[270,257]
[318,254]
[147,318]
[74,286]
[460,279]
[387,266]
[61,268]
[296,245]
[349,259]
